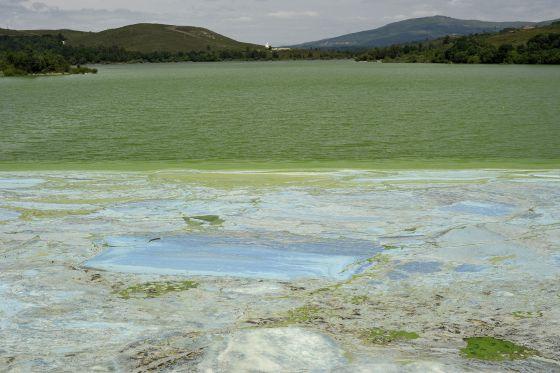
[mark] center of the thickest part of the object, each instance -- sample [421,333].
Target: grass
[383,336]
[493,349]
[156,289]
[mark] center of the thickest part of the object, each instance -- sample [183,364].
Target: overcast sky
[260,21]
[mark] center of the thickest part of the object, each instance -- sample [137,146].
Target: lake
[335,113]
[297,216]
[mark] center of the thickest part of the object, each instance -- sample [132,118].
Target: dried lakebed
[268,271]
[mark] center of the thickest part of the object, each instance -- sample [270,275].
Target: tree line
[541,49]
[45,54]
[35,54]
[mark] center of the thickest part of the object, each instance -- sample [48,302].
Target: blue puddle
[481,208]
[204,255]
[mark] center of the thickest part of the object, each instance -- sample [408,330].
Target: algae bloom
[489,348]
[156,289]
[304,314]
[382,336]
[203,219]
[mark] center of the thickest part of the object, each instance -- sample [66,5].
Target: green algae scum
[331,113]
[489,348]
[382,336]
[156,289]
[324,216]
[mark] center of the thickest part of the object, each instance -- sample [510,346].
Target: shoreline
[284,166]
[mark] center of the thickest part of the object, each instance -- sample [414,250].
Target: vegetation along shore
[48,52]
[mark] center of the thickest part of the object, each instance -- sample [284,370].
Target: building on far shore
[270,47]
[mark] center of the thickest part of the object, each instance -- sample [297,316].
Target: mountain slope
[411,30]
[147,37]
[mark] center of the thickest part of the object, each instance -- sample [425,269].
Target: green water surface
[320,113]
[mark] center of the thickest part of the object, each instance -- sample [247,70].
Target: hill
[533,45]
[411,30]
[145,38]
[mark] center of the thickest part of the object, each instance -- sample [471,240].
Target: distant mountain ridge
[145,38]
[412,30]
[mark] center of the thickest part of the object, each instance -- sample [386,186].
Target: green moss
[382,336]
[303,315]
[526,314]
[359,299]
[203,219]
[489,348]
[391,247]
[156,289]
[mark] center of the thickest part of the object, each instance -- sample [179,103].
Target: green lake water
[250,115]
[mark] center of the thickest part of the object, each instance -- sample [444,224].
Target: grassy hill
[146,38]
[411,30]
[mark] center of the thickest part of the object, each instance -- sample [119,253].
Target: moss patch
[526,314]
[359,299]
[382,336]
[304,314]
[489,348]
[155,289]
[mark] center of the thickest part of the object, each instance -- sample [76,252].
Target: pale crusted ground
[455,254]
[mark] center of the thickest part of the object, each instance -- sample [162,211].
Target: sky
[260,21]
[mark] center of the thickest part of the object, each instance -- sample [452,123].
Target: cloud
[287,14]
[20,14]
[241,19]
[262,21]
